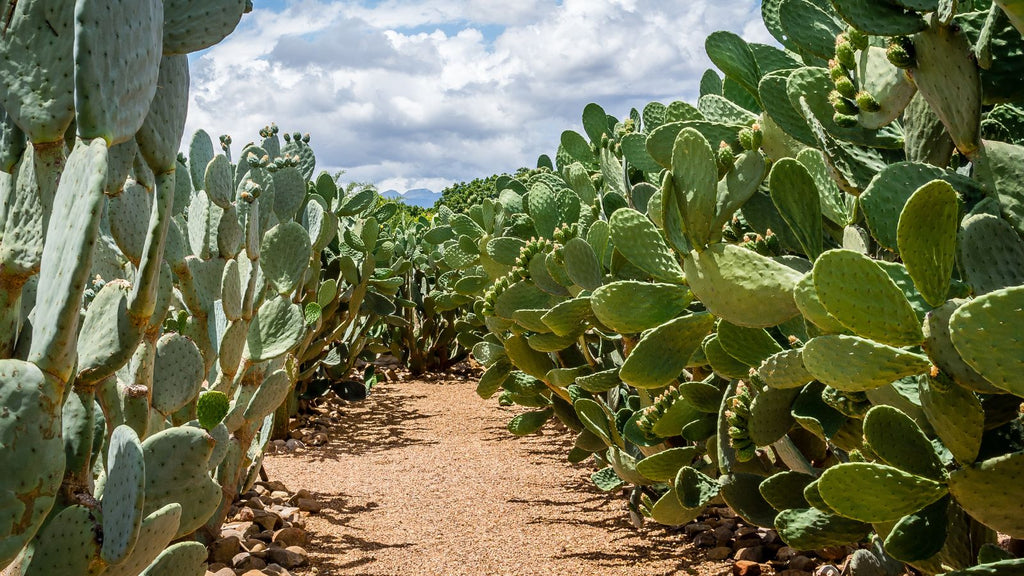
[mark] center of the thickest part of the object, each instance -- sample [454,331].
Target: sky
[421,94]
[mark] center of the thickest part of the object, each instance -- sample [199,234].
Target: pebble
[746,568]
[705,540]
[266,534]
[695,528]
[800,562]
[720,553]
[751,554]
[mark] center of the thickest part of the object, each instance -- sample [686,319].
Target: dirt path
[423,478]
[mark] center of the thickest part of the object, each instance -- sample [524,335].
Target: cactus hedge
[800,296]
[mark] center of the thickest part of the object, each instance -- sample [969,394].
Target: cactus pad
[853,364]
[277,328]
[994,317]
[796,196]
[693,186]
[956,415]
[176,472]
[114,87]
[991,253]
[181,559]
[665,465]
[784,370]
[278,255]
[191,27]
[123,495]
[630,307]
[875,492]
[926,235]
[662,354]
[858,293]
[636,237]
[990,492]
[810,528]
[741,286]
[898,441]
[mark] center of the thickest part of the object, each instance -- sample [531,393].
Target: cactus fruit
[212,408]
[866,102]
[901,52]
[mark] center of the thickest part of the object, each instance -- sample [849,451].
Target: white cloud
[424,93]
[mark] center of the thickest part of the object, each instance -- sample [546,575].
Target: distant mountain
[422,197]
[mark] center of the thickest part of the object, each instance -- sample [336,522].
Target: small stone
[720,553]
[277,570]
[289,557]
[695,528]
[267,520]
[257,548]
[726,513]
[747,541]
[705,540]
[253,573]
[303,493]
[746,568]
[752,554]
[827,570]
[792,573]
[279,495]
[833,553]
[274,485]
[290,536]
[723,535]
[224,549]
[244,515]
[785,554]
[308,505]
[745,530]
[288,513]
[256,503]
[800,562]
[246,561]
[294,445]
[225,571]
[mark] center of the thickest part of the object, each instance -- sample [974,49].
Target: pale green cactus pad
[858,293]
[662,354]
[628,306]
[875,492]
[994,317]
[987,491]
[741,286]
[855,364]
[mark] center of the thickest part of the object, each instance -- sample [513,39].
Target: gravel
[423,478]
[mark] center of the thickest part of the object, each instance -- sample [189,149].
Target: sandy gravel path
[423,478]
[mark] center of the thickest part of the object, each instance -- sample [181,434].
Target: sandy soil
[423,478]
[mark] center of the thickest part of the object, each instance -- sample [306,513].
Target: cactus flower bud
[211,408]
[840,104]
[867,102]
[844,120]
[858,39]
[901,52]
[846,87]
[845,53]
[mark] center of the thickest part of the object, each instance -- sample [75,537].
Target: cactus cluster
[799,295]
[155,315]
